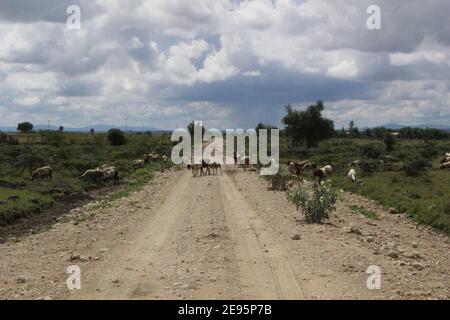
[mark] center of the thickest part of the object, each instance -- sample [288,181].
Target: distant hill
[96,127]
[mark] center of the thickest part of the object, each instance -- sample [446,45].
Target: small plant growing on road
[316,204]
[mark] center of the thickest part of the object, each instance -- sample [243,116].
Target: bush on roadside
[416,166]
[429,151]
[116,137]
[316,204]
[372,151]
[368,167]
[389,142]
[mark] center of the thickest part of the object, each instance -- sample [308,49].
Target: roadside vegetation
[69,154]
[399,169]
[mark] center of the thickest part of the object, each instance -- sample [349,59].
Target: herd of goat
[205,169]
[104,172]
[322,173]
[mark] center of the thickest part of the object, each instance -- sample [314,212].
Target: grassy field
[407,178]
[70,154]
[424,195]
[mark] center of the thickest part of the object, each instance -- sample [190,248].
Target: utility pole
[126,125]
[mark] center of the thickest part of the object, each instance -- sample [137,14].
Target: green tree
[351,126]
[353,129]
[308,126]
[116,137]
[389,142]
[368,132]
[25,127]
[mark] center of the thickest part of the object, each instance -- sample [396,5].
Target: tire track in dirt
[224,237]
[127,273]
[265,270]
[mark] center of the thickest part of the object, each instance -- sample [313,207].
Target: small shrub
[367,213]
[316,204]
[413,195]
[389,142]
[447,209]
[371,151]
[368,167]
[429,151]
[388,166]
[415,167]
[116,137]
[395,180]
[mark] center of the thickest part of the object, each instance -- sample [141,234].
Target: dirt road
[225,237]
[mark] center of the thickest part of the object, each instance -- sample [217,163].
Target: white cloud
[151,60]
[27,101]
[252,73]
[345,69]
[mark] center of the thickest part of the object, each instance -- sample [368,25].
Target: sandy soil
[225,237]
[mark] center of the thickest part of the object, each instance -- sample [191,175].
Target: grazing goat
[205,166]
[321,173]
[327,170]
[41,173]
[147,159]
[139,164]
[94,175]
[351,175]
[14,197]
[445,165]
[215,167]
[243,161]
[163,163]
[354,163]
[154,157]
[298,168]
[196,168]
[110,173]
[446,159]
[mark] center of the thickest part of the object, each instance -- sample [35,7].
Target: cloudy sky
[229,63]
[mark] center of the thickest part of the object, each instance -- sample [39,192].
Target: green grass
[139,179]
[28,204]
[424,198]
[70,154]
[367,213]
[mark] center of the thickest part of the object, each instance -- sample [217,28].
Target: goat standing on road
[215,167]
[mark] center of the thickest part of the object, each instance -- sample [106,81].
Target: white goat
[351,175]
